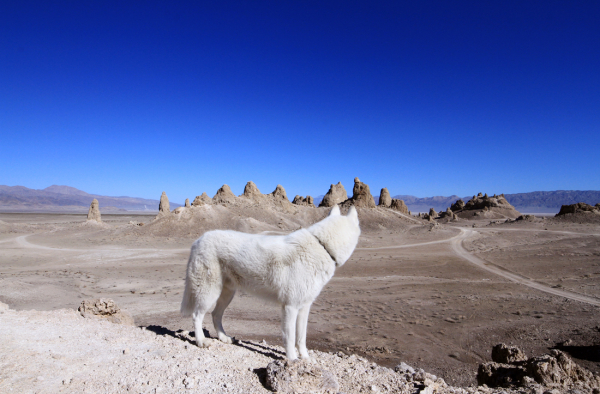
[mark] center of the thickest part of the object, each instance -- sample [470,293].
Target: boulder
[555,370]
[187,203]
[432,213]
[399,205]
[361,196]
[500,375]
[285,376]
[94,212]
[105,308]
[385,200]
[224,195]
[505,354]
[334,196]
[163,206]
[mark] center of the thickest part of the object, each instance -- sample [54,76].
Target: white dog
[289,269]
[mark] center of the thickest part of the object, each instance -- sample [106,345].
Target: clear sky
[422,97]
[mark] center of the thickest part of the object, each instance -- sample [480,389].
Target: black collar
[324,247]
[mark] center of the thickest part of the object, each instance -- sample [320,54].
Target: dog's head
[340,234]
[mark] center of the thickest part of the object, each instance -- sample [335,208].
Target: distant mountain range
[67,199]
[533,202]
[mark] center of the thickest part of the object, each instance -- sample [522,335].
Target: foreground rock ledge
[60,351]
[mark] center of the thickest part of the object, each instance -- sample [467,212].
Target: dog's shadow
[252,346]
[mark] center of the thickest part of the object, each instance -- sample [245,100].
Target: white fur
[290,270]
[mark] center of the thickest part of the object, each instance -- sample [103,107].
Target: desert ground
[435,296]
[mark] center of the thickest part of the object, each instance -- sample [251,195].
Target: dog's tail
[189,302]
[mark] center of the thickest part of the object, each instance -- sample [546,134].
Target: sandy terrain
[436,297]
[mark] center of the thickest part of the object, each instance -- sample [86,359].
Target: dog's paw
[203,344]
[307,359]
[225,339]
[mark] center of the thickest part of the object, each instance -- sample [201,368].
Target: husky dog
[288,269]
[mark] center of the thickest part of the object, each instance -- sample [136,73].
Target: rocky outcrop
[505,354]
[279,198]
[457,206]
[385,200]
[163,206]
[422,381]
[578,208]
[187,203]
[202,200]
[482,202]
[483,206]
[94,212]
[224,196]
[105,308]
[334,196]
[361,195]
[399,205]
[279,194]
[285,376]
[251,191]
[308,201]
[512,369]
[447,214]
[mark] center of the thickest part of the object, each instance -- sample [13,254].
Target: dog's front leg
[301,331]
[288,327]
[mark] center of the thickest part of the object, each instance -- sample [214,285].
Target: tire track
[457,246]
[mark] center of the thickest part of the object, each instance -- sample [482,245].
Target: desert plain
[434,295]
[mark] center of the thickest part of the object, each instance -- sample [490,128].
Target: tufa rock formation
[285,376]
[458,205]
[251,191]
[308,201]
[448,214]
[400,206]
[202,200]
[334,196]
[279,197]
[163,206]
[187,202]
[482,202]
[484,206]
[361,196]
[106,309]
[224,195]
[279,194]
[578,208]
[94,212]
[385,200]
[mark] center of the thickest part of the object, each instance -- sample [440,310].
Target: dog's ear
[335,211]
[352,214]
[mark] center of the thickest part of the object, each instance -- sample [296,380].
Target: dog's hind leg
[301,324]
[288,327]
[217,314]
[198,316]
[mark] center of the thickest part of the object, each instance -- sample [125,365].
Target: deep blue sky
[423,97]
